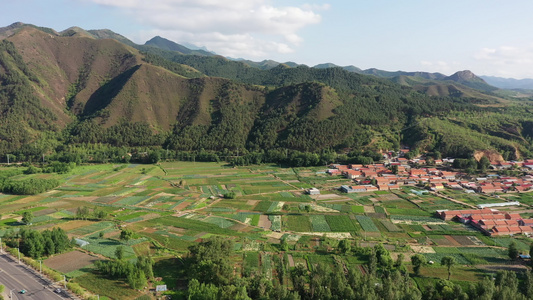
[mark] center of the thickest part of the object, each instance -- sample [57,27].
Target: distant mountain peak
[465,75]
[470,79]
[16,24]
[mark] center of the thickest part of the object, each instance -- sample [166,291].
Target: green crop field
[366,223]
[319,223]
[298,223]
[175,205]
[98,226]
[340,223]
[276,223]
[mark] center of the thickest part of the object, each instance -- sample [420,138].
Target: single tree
[345,246]
[82,213]
[417,261]
[27,217]
[513,250]
[284,245]
[448,261]
[399,261]
[126,234]
[230,195]
[119,252]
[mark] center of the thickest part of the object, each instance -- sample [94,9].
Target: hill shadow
[103,96]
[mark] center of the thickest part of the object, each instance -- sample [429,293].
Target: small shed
[161,288]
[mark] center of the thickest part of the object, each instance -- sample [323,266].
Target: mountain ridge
[100,90]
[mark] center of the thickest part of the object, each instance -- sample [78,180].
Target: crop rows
[275,223]
[90,228]
[134,215]
[366,223]
[275,206]
[337,207]
[319,223]
[263,206]
[107,247]
[340,223]
[389,226]
[358,209]
[220,222]
[132,200]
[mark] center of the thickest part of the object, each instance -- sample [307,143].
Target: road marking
[23,272]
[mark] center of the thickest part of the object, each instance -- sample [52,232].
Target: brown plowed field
[71,261]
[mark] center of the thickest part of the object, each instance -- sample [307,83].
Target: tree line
[38,244]
[211,276]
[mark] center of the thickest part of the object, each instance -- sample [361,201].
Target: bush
[230,195]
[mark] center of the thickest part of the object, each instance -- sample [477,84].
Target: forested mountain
[78,87]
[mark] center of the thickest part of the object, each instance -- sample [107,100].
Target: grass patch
[299,223]
[98,284]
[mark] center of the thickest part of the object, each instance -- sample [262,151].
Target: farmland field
[340,223]
[366,223]
[71,261]
[174,205]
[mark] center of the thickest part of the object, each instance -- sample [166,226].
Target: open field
[71,261]
[177,204]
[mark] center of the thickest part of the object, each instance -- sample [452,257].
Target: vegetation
[37,244]
[298,116]
[247,124]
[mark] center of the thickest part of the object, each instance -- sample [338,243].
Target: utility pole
[65,278]
[18,249]
[1,249]
[41,267]
[7,158]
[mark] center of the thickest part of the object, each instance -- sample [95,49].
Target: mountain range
[79,87]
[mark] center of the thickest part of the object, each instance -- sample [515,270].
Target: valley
[267,215]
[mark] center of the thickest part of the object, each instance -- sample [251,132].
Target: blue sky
[488,37]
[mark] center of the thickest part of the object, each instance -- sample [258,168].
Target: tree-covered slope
[22,115]
[103,91]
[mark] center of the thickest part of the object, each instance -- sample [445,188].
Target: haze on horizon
[488,37]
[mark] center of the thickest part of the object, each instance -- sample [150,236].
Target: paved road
[17,277]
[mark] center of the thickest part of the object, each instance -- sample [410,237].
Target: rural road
[17,277]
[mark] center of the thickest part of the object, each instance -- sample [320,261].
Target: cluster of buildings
[380,177]
[374,177]
[490,221]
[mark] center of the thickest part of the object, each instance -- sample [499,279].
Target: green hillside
[84,87]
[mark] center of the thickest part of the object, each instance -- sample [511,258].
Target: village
[399,172]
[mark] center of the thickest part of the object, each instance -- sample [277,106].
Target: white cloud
[235,28]
[443,67]
[507,61]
